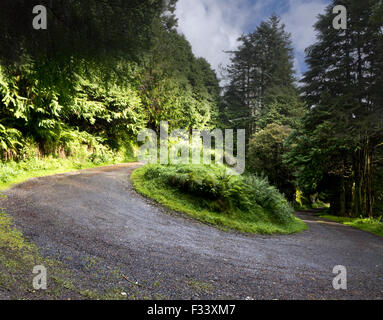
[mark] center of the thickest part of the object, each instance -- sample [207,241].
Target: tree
[266,150]
[262,63]
[282,106]
[177,86]
[343,128]
[86,28]
[122,67]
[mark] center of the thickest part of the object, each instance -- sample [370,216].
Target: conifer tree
[262,63]
[335,151]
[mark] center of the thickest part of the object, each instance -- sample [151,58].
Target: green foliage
[222,192]
[209,194]
[10,140]
[282,106]
[12,172]
[336,151]
[80,28]
[63,103]
[176,86]
[114,112]
[260,75]
[265,156]
[373,225]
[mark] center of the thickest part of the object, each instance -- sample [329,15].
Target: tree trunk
[342,198]
[363,198]
[368,192]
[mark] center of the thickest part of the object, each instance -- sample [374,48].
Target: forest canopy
[99,73]
[323,137]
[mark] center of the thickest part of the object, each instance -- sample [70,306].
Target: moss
[17,259]
[200,286]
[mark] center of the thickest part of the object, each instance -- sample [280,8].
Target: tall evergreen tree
[262,63]
[335,151]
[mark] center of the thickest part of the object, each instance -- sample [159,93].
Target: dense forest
[104,70]
[99,73]
[323,135]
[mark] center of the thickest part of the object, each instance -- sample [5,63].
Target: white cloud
[213,26]
[299,21]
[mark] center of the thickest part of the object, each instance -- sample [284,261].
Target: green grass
[374,226]
[206,193]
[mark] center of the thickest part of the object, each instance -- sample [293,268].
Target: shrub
[222,192]
[266,150]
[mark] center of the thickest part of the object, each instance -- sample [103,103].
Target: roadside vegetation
[62,93]
[373,225]
[13,172]
[208,194]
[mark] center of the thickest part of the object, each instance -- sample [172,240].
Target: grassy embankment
[244,203]
[374,226]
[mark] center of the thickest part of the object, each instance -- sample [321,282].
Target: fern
[223,192]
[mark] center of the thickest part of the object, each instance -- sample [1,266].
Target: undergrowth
[209,194]
[373,225]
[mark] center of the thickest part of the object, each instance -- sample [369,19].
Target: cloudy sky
[213,26]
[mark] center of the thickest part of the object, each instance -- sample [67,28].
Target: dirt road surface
[94,217]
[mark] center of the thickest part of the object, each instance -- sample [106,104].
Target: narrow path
[94,214]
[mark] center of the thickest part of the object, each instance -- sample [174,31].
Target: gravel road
[94,216]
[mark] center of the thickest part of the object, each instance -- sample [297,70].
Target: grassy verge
[228,202]
[12,173]
[374,226]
